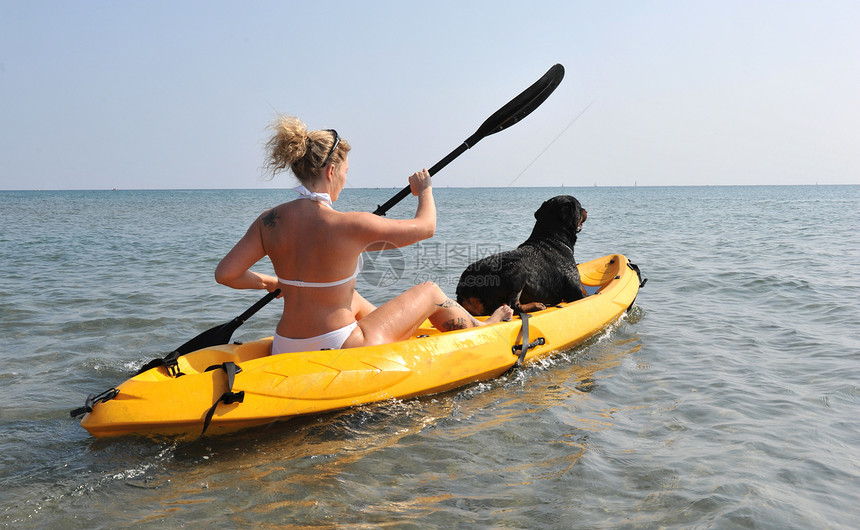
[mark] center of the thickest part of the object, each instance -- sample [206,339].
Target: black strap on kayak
[526,345]
[642,281]
[229,397]
[635,268]
[92,400]
[169,362]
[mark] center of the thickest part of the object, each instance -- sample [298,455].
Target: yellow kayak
[235,386]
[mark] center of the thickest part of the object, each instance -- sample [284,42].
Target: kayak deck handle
[92,400]
[540,341]
[526,345]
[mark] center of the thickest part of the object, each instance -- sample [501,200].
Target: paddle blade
[222,334]
[211,337]
[521,106]
[514,111]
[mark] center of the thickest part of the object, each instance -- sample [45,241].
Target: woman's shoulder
[271,217]
[358,219]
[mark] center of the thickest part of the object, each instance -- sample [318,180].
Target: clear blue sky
[177,94]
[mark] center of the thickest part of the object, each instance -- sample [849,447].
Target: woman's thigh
[360,306]
[396,319]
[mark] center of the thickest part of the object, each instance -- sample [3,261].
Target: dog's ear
[553,211]
[576,210]
[542,212]
[579,215]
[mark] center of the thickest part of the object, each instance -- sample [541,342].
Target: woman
[316,254]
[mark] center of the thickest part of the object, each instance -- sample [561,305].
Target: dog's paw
[531,307]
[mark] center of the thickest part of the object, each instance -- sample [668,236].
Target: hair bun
[288,144]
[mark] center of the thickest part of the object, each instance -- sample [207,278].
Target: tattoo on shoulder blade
[269,218]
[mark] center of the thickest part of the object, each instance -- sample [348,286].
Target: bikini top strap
[298,283]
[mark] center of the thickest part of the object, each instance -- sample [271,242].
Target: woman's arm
[234,269]
[384,233]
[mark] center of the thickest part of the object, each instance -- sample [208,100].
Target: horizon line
[395,188]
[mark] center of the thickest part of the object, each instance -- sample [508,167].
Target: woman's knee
[429,288]
[428,293]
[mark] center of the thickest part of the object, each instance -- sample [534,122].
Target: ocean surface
[728,397]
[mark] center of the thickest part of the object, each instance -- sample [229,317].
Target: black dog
[542,271]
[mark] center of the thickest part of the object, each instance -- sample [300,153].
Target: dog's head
[560,215]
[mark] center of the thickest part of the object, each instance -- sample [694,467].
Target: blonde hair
[293,147]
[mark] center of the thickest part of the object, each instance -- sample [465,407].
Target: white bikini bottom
[332,340]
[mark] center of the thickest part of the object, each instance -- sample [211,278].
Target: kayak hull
[280,387]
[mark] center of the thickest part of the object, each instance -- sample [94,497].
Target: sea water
[727,397]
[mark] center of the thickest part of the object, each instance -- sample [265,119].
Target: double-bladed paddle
[513,112]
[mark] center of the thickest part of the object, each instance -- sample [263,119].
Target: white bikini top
[305,193]
[324,198]
[298,283]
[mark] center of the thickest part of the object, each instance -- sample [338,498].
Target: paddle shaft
[402,194]
[512,112]
[257,306]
